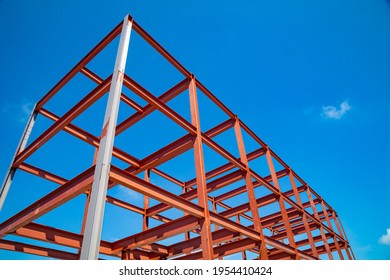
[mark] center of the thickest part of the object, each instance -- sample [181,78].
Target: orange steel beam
[90,139]
[228,166]
[256,184]
[158,104]
[112,200]
[36,250]
[155,234]
[224,250]
[160,49]
[57,236]
[59,196]
[99,47]
[133,182]
[94,77]
[191,194]
[81,106]
[148,109]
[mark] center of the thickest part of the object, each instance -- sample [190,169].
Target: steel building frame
[215,233]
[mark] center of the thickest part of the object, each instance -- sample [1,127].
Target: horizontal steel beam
[158,104]
[192,194]
[59,196]
[226,167]
[91,139]
[58,236]
[148,109]
[225,249]
[123,97]
[161,232]
[213,98]
[84,61]
[256,184]
[80,107]
[36,250]
[160,49]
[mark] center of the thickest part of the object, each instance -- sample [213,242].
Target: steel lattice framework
[300,226]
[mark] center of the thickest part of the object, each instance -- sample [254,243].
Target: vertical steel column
[92,234]
[345,236]
[206,237]
[250,190]
[331,227]
[22,144]
[341,234]
[216,227]
[282,207]
[145,223]
[187,233]
[304,218]
[243,253]
[323,236]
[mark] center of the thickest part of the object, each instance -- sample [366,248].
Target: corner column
[93,228]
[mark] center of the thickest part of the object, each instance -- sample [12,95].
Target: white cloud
[128,194]
[18,112]
[385,239]
[331,112]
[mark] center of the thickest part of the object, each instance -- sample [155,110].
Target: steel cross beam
[59,196]
[36,250]
[80,107]
[76,69]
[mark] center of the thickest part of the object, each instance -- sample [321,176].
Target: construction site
[168,172]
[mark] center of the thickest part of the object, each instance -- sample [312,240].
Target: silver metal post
[22,144]
[93,227]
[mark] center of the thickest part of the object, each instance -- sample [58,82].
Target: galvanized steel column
[92,234]
[22,144]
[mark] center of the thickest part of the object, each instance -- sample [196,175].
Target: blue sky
[311,78]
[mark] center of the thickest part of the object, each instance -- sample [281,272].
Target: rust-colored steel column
[145,218]
[304,218]
[342,233]
[334,217]
[216,227]
[250,190]
[243,253]
[187,233]
[331,227]
[280,199]
[206,237]
[323,236]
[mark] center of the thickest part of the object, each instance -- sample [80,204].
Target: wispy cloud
[385,239]
[127,194]
[331,112]
[18,112]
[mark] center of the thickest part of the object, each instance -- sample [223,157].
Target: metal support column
[250,190]
[304,218]
[145,218]
[321,228]
[22,144]
[92,234]
[205,228]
